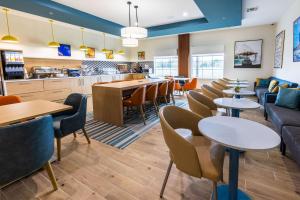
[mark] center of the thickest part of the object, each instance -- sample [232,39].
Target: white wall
[290,70]
[219,39]
[34,34]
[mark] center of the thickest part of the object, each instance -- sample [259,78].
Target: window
[208,66]
[166,66]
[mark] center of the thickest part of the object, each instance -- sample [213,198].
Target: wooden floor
[98,172]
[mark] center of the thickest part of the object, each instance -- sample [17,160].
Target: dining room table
[19,112]
[237,135]
[234,105]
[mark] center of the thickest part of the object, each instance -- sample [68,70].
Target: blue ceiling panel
[218,14]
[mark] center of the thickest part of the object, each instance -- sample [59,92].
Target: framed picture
[296,49]
[248,54]
[279,48]
[110,54]
[90,52]
[141,55]
[64,50]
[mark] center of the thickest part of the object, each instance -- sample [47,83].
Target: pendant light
[53,43]
[104,50]
[128,41]
[8,38]
[133,31]
[82,47]
[121,52]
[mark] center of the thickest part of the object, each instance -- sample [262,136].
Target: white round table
[238,85]
[238,82]
[236,104]
[239,94]
[238,135]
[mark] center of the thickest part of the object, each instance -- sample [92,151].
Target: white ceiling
[151,12]
[269,11]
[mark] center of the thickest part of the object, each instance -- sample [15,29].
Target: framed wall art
[248,54]
[279,48]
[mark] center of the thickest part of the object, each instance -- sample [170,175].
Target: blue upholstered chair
[24,148]
[70,121]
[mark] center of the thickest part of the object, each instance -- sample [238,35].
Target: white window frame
[171,58]
[212,68]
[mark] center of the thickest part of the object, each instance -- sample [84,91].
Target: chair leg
[86,136]
[143,114]
[58,145]
[74,135]
[166,179]
[173,99]
[49,170]
[215,191]
[156,107]
[165,98]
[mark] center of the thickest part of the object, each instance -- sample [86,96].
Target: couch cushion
[288,98]
[272,85]
[291,137]
[282,116]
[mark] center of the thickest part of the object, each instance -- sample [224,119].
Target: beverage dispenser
[12,65]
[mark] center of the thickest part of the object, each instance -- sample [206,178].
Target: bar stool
[11,99]
[151,96]
[137,99]
[171,88]
[163,91]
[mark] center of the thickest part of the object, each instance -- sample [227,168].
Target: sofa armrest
[270,97]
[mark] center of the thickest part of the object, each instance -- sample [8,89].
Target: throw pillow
[260,82]
[272,85]
[276,89]
[289,98]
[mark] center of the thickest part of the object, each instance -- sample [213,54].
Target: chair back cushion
[289,98]
[138,96]
[202,98]
[151,93]
[11,99]
[163,89]
[24,148]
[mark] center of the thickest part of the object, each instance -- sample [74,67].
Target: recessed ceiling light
[185,14]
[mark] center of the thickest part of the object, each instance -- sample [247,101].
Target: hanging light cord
[82,36]
[52,32]
[129,5]
[136,15]
[6,15]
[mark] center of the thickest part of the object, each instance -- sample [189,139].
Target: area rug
[121,137]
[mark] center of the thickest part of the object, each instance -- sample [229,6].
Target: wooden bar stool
[163,91]
[171,89]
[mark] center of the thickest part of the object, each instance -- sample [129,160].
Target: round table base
[223,193]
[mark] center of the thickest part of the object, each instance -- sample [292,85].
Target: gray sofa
[287,124]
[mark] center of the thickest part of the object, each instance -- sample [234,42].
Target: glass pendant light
[53,43]
[82,47]
[8,38]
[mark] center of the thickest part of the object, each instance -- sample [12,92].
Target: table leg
[235,112]
[231,191]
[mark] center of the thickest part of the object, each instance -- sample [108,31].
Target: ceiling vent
[253,9]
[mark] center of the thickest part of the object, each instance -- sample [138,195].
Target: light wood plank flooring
[99,172]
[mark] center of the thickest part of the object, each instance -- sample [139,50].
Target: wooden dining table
[18,112]
[107,99]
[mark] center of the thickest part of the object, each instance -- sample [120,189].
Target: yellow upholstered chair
[219,86]
[208,93]
[190,151]
[197,107]
[163,91]
[171,89]
[214,90]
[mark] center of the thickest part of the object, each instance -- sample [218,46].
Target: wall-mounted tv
[64,50]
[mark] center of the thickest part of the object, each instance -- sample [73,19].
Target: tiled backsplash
[108,67]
